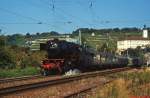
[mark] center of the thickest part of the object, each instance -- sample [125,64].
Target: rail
[66,79]
[84,90]
[19,78]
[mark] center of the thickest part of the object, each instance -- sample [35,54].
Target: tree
[116,30]
[28,36]
[2,41]
[54,33]
[16,39]
[109,46]
[37,34]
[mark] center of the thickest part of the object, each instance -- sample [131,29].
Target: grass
[18,72]
[138,78]
[126,85]
[116,89]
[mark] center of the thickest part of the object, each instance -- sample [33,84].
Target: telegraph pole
[80,40]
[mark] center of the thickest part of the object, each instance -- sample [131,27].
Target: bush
[32,59]
[6,58]
[19,57]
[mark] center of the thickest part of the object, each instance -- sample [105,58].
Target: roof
[134,38]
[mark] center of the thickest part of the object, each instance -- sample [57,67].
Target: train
[63,56]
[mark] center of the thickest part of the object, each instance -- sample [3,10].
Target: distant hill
[101,35]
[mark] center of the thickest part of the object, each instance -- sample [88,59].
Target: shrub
[6,58]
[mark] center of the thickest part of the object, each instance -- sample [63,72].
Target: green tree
[16,39]
[2,41]
[109,46]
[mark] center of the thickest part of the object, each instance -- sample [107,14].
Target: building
[133,41]
[93,34]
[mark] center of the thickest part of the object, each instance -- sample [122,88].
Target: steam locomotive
[63,56]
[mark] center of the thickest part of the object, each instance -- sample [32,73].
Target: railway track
[14,89]
[19,78]
[84,90]
[12,82]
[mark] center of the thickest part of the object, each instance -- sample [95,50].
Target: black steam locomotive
[63,56]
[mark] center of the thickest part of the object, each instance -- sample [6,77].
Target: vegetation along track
[61,80]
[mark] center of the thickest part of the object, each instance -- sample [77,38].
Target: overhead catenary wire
[48,23]
[25,17]
[96,20]
[72,16]
[64,15]
[19,15]
[63,12]
[37,5]
[45,4]
[22,16]
[37,21]
[51,4]
[123,21]
[92,12]
[11,23]
[40,22]
[94,16]
[2,28]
